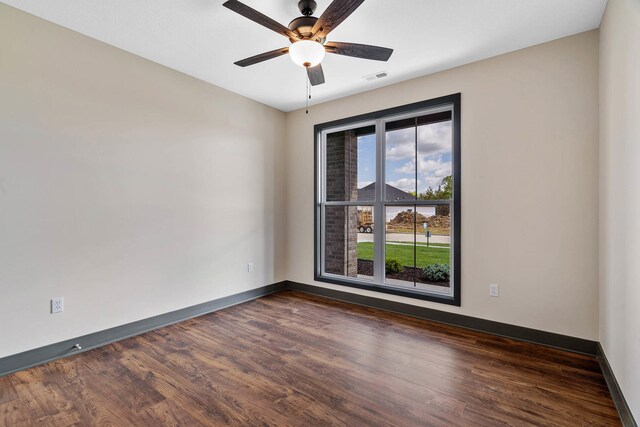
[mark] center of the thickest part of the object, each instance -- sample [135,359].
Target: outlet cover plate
[494,290]
[57,305]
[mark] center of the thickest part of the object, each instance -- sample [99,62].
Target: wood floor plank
[8,392]
[14,411]
[43,401]
[292,359]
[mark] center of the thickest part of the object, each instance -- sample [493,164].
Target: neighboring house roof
[393,193]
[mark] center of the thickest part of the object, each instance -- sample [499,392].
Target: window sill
[442,299]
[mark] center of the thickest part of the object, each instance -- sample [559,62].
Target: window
[387,201]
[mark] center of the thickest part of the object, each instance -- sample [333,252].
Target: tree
[444,192]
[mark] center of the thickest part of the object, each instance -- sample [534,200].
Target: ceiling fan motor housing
[303,25]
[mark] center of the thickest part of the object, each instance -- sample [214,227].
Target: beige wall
[151,190]
[529,183]
[620,194]
[125,187]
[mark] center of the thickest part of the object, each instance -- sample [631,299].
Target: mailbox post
[427,233]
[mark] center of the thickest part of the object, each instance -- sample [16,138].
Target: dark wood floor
[294,359]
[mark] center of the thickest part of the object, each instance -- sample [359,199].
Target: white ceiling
[202,38]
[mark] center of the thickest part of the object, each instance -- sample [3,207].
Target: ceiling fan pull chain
[307,94]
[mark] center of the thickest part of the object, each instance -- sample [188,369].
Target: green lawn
[443,245]
[424,255]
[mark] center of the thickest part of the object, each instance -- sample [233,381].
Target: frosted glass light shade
[306,53]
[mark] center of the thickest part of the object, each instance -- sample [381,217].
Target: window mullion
[379,217]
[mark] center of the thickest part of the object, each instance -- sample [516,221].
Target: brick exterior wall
[341,234]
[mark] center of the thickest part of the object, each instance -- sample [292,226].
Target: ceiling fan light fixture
[306,53]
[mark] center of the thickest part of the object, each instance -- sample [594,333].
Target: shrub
[437,272]
[393,265]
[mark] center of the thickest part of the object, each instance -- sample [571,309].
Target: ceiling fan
[308,34]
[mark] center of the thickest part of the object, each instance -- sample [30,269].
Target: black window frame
[455,101]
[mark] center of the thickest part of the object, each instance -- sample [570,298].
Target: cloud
[434,142]
[400,144]
[431,171]
[409,167]
[404,184]
[432,139]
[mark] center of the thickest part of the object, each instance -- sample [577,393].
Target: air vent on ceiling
[376,76]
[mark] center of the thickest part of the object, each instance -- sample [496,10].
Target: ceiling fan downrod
[307,7]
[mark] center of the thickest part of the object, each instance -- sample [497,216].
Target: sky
[433,157]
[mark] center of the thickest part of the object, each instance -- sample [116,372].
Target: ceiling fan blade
[365,51]
[262,57]
[316,75]
[337,12]
[259,18]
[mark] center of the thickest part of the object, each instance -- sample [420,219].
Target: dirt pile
[438,221]
[406,219]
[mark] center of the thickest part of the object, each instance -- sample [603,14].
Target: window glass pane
[399,245]
[434,156]
[348,241]
[351,165]
[400,164]
[433,246]
[365,242]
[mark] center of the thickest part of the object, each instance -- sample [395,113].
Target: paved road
[405,237]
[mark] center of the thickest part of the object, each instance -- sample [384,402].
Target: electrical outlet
[57,305]
[494,290]
[250,267]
